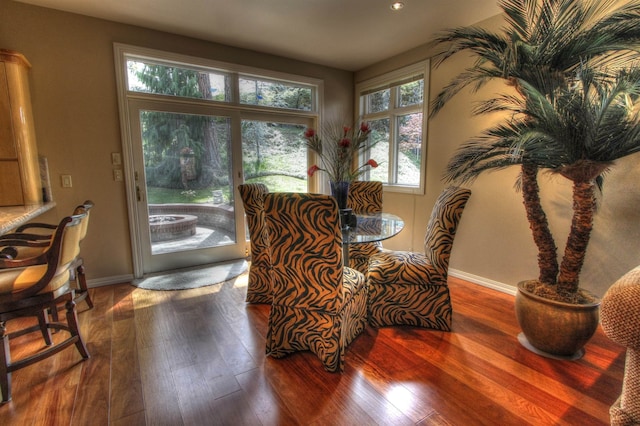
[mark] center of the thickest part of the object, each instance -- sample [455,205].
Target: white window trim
[422,67]
[123,51]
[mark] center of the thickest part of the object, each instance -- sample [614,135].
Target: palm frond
[475,77]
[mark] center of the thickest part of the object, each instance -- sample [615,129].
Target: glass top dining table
[370,227]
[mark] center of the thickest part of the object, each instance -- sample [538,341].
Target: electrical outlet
[66,181]
[117,174]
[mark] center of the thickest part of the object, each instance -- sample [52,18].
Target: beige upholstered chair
[39,236]
[318,305]
[619,317]
[31,290]
[411,288]
[364,197]
[259,288]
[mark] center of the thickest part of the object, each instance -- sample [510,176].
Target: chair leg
[72,322]
[43,321]
[82,286]
[5,359]
[53,311]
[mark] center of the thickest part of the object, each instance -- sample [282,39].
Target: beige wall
[75,110]
[494,244]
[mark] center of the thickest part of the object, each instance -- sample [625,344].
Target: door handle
[138,194]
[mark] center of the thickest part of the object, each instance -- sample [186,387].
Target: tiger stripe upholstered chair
[407,288]
[318,304]
[364,197]
[259,287]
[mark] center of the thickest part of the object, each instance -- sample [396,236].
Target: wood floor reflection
[196,357]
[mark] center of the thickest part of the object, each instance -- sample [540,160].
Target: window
[277,94]
[394,106]
[145,76]
[270,109]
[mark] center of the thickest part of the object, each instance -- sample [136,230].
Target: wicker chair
[364,197]
[259,288]
[619,317]
[408,288]
[318,305]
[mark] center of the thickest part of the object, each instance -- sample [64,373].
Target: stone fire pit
[165,227]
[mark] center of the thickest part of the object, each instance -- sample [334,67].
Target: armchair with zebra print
[259,287]
[364,197]
[408,288]
[318,305]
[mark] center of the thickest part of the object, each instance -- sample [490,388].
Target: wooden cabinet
[20,182]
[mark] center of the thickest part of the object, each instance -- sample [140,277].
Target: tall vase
[340,191]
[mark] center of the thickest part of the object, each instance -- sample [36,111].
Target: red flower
[312,170]
[337,155]
[373,163]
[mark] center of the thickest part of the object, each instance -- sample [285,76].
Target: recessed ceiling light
[397,5]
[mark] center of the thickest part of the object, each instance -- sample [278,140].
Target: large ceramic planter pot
[555,328]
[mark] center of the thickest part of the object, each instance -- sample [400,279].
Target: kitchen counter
[14,216]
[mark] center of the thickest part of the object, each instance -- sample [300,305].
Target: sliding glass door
[184,187]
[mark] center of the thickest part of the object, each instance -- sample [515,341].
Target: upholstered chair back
[259,286]
[442,226]
[86,208]
[306,250]
[365,196]
[71,240]
[53,273]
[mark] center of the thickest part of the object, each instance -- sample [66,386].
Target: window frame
[394,80]
[235,72]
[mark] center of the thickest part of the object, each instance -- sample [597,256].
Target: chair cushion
[17,279]
[403,268]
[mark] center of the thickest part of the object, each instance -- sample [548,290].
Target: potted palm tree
[573,113]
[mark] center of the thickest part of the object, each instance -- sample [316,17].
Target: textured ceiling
[345,34]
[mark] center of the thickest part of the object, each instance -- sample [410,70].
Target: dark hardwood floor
[196,357]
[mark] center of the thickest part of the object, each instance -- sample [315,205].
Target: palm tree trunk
[578,239]
[547,250]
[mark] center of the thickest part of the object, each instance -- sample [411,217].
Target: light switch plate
[66,181]
[116,159]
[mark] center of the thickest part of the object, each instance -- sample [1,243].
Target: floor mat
[182,279]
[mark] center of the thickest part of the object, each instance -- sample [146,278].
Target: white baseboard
[495,285]
[110,280]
